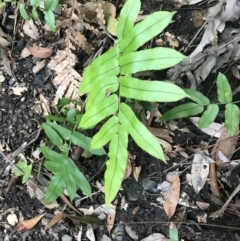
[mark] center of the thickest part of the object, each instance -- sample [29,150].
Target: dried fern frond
[67,79]
[99,11]
[79,39]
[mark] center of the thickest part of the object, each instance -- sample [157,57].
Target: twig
[17,152]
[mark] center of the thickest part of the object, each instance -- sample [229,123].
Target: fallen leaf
[161,133]
[63,197]
[131,233]
[172,193]
[28,224]
[36,190]
[128,170]
[25,53]
[39,52]
[4,42]
[136,172]
[55,220]
[30,29]
[227,145]
[199,172]
[111,218]
[156,237]
[214,129]
[90,234]
[202,205]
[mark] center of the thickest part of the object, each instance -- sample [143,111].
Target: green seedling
[112,73]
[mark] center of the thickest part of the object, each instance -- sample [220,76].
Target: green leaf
[144,31]
[50,20]
[51,4]
[116,165]
[62,131]
[55,118]
[85,142]
[71,185]
[23,11]
[35,14]
[208,116]
[65,101]
[173,233]
[149,59]
[18,168]
[27,173]
[35,3]
[223,89]
[182,111]
[22,169]
[80,180]
[52,135]
[105,134]
[50,154]
[105,65]
[72,115]
[58,164]
[127,18]
[97,113]
[150,90]
[147,105]
[197,97]
[231,118]
[98,93]
[139,132]
[55,188]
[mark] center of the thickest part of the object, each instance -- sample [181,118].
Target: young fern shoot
[112,71]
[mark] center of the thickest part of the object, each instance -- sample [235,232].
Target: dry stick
[195,36]
[221,211]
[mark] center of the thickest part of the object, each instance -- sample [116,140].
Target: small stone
[149,185]
[66,237]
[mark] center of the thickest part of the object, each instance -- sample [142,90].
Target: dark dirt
[21,116]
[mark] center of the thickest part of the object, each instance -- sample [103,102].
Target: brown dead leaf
[39,52]
[136,172]
[202,205]
[161,133]
[128,170]
[174,192]
[111,219]
[227,145]
[55,220]
[70,205]
[28,224]
[30,29]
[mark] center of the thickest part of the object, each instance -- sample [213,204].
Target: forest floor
[139,210]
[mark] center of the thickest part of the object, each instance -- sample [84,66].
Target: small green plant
[225,97]
[108,81]
[49,7]
[22,169]
[173,232]
[66,173]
